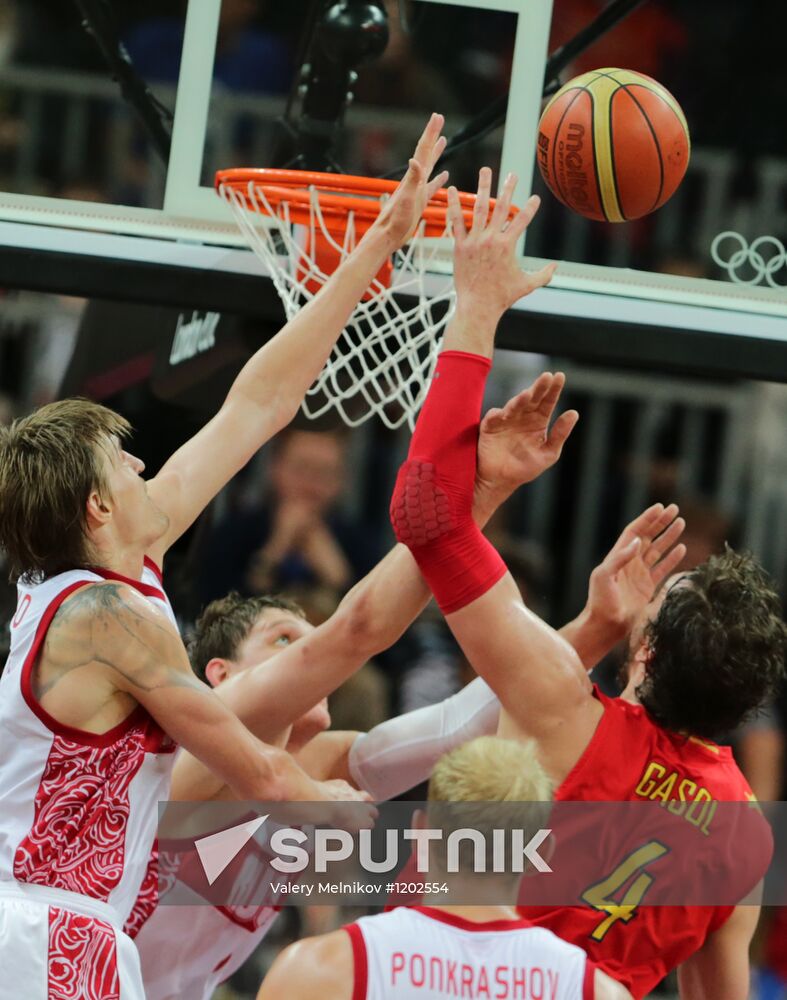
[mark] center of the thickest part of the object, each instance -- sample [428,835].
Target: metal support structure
[156,119]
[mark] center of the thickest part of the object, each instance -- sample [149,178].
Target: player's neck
[125,560]
[629,693]
[483,914]
[494,893]
[636,675]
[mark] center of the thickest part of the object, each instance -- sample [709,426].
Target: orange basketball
[613,145]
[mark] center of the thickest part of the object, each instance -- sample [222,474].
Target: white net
[385,356]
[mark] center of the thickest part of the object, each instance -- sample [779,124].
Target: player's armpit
[313,969]
[720,969]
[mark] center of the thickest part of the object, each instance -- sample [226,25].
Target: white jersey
[187,951]
[421,953]
[79,809]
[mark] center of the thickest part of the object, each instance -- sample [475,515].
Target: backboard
[110,220]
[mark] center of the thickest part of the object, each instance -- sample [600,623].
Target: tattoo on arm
[103,623]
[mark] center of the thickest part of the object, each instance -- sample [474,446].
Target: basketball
[613,145]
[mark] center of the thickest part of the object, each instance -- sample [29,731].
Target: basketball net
[386,354]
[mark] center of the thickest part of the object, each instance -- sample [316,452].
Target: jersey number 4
[629,877]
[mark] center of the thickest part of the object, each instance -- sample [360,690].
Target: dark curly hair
[225,623]
[717,648]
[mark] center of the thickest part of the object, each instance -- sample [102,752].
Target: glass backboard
[81,178]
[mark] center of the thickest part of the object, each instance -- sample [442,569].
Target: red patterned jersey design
[82,958]
[77,838]
[147,900]
[160,876]
[165,869]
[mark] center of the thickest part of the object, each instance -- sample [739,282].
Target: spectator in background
[760,750]
[7,410]
[247,57]
[293,537]
[646,41]
[401,77]
[708,530]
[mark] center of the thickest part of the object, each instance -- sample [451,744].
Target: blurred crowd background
[308,517]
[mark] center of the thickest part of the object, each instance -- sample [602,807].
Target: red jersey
[632,759]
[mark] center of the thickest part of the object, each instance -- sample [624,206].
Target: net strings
[385,356]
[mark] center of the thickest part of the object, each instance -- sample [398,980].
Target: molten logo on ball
[572,165]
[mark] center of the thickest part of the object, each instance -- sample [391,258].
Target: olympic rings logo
[752,257]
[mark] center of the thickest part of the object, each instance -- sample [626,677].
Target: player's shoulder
[626,721]
[108,616]
[317,968]
[102,597]
[618,707]
[711,764]
[620,714]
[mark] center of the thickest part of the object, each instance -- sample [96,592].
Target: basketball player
[271,667]
[98,688]
[704,653]
[251,649]
[433,951]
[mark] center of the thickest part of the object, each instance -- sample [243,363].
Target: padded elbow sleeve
[432,503]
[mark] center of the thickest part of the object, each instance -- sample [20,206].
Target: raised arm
[138,651]
[621,587]
[270,697]
[538,676]
[370,619]
[400,753]
[269,389]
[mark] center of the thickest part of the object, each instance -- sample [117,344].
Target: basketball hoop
[302,225]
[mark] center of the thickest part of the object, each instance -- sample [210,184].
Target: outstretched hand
[402,211]
[646,553]
[486,271]
[516,443]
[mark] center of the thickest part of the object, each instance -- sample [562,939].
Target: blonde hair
[498,784]
[50,463]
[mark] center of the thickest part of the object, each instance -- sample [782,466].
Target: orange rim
[338,194]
